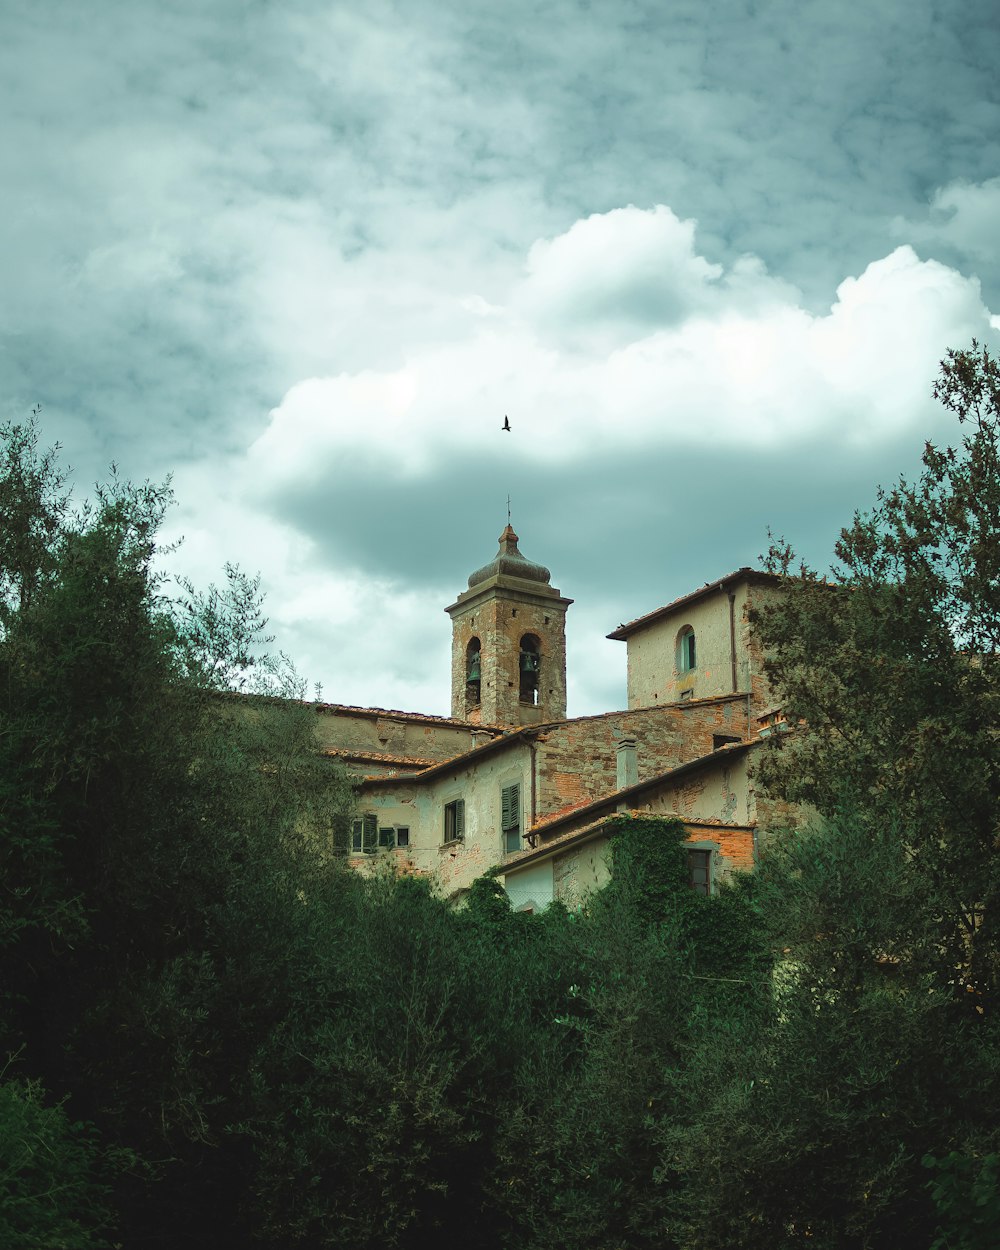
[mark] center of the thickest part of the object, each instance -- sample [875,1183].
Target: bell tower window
[473,674]
[530,663]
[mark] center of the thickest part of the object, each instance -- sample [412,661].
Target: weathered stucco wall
[719,791]
[577,873]
[403,734]
[533,889]
[582,868]
[653,673]
[421,807]
[715,801]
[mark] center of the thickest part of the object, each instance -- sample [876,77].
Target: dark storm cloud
[627,529]
[206,205]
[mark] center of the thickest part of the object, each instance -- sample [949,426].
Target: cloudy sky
[305,256]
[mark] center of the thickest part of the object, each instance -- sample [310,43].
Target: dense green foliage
[215,1035]
[151,850]
[888,911]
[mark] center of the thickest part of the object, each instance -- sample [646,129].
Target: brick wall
[577,760]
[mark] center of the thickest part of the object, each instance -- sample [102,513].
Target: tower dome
[509,561]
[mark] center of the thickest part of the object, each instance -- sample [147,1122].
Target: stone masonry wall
[577,760]
[499,618]
[763,696]
[391,733]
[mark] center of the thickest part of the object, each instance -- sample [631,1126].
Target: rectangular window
[510,817]
[700,871]
[454,820]
[386,837]
[402,835]
[364,834]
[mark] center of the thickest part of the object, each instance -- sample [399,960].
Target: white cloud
[627,268]
[733,357]
[963,215]
[369,640]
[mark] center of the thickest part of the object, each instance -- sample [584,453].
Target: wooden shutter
[510,817]
[510,807]
[370,832]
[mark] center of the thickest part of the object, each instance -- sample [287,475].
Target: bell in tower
[508,651]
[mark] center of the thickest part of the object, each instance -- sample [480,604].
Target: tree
[160,842]
[883,1047]
[52,1193]
[661,995]
[894,666]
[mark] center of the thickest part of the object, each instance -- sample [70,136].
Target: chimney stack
[628,766]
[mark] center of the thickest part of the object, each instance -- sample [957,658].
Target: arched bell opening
[473,674]
[530,666]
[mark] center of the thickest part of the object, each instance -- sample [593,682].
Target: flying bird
[506,423]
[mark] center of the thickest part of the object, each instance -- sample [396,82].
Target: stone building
[509,781]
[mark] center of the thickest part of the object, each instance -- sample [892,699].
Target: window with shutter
[686,650]
[368,836]
[370,833]
[510,817]
[454,820]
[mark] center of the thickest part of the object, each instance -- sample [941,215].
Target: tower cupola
[509,643]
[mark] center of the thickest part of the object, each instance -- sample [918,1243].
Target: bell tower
[508,643]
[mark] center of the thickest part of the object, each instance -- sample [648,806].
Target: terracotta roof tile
[379,757]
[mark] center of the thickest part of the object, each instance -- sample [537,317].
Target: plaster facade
[664,667]
[418,803]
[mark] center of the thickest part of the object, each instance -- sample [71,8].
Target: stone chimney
[628,765]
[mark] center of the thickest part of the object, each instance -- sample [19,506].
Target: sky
[304,257]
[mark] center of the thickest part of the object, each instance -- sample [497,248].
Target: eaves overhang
[624,632]
[624,797]
[468,759]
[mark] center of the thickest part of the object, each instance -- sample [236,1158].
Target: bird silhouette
[506,423]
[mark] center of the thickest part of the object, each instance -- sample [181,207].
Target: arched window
[685,650]
[473,673]
[530,664]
